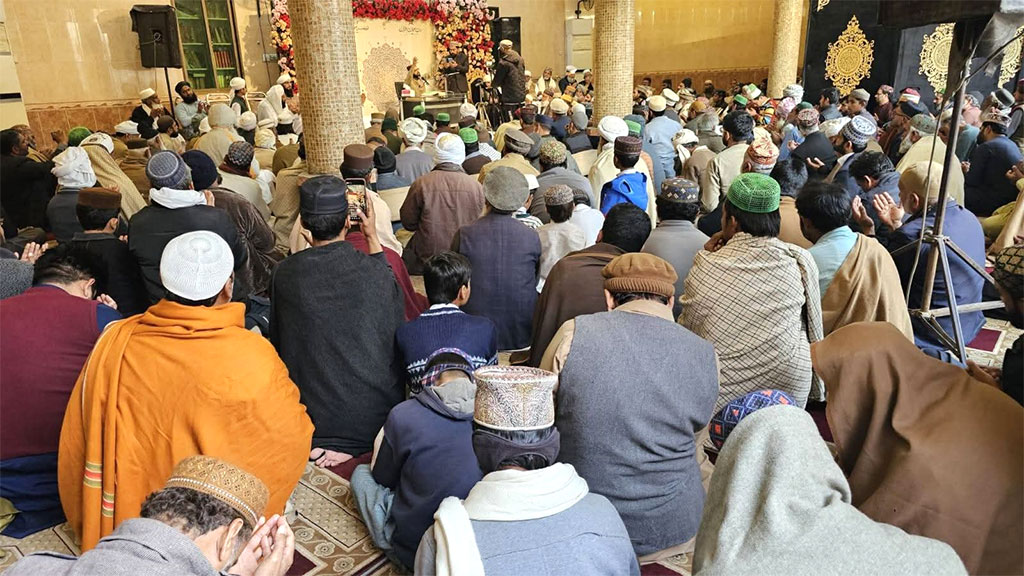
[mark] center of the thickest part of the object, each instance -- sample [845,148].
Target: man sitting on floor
[857,279]
[183,378]
[46,335]
[423,454]
[743,265]
[656,483]
[334,313]
[446,278]
[677,239]
[529,514]
[207,518]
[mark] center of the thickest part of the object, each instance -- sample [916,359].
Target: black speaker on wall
[158,35]
[506,28]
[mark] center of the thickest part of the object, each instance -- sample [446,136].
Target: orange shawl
[926,447]
[866,288]
[173,382]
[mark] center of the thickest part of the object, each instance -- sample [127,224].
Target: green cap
[419,109]
[444,118]
[739,100]
[755,193]
[803,106]
[469,135]
[634,127]
[77,134]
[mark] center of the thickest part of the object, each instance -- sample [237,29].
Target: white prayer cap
[687,136]
[794,91]
[505,42]
[670,96]
[531,182]
[577,107]
[237,83]
[832,127]
[449,148]
[527,73]
[264,138]
[467,109]
[267,123]
[127,127]
[196,265]
[247,121]
[285,116]
[657,103]
[147,93]
[611,127]
[221,116]
[73,169]
[570,69]
[415,130]
[99,139]
[285,77]
[204,125]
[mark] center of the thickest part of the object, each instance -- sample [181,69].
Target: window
[208,42]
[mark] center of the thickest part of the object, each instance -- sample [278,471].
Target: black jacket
[511,78]
[118,275]
[145,122]
[817,145]
[25,189]
[154,226]
[457,74]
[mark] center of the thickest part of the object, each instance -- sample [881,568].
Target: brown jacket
[134,166]
[257,235]
[438,204]
[789,229]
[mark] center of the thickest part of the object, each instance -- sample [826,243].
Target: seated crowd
[189,317]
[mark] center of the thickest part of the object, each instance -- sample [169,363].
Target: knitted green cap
[77,134]
[739,100]
[418,109]
[469,135]
[444,117]
[755,193]
[803,106]
[634,127]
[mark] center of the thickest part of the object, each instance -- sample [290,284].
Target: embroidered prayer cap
[415,130]
[860,129]
[558,195]
[918,179]
[514,397]
[634,128]
[923,123]
[682,190]
[860,94]
[630,145]
[807,117]
[1008,271]
[518,141]
[166,169]
[723,423]
[910,95]
[657,103]
[324,194]
[794,91]
[640,273]
[204,171]
[99,198]
[505,188]
[99,139]
[243,491]
[755,193]
[763,153]
[239,155]
[469,135]
[196,265]
[552,152]
[611,127]
[146,94]
[357,157]
[995,116]
[559,107]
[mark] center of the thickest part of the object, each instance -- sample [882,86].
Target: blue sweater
[626,187]
[986,187]
[426,456]
[445,326]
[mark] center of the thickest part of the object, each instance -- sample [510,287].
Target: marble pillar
[614,24]
[785,46]
[326,66]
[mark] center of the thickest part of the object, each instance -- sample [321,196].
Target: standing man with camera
[455,67]
[510,78]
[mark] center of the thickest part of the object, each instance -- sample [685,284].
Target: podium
[435,103]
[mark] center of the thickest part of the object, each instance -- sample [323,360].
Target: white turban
[449,148]
[670,96]
[99,139]
[221,116]
[527,73]
[285,116]
[267,123]
[196,265]
[204,125]
[686,136]
[127,127]
[286,77]
[570,69]
[247,121]
[237,83]
[147,93]
[415,130]
[794,91]
[73,169]
[264,138]
[467,109]
[611,127]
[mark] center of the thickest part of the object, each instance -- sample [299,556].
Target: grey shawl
[779,504]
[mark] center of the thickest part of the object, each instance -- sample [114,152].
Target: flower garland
[465,21]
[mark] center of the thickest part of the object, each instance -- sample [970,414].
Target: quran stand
[966,37]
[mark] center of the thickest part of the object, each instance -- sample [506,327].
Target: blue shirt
[792,135]
[829,253]
[628,186]
[658,134]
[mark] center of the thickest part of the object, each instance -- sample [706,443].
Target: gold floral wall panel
[849,58]
[1011,60]
[935,56]
[821,5]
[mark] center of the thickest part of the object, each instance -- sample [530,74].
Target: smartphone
[355,193]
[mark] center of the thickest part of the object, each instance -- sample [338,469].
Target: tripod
[966,37]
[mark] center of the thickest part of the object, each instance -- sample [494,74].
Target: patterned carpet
[332,540]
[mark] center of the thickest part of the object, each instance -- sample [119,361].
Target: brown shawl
[926,447]
[866,288]
[574,287]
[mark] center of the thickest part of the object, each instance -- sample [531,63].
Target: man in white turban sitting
[413,162]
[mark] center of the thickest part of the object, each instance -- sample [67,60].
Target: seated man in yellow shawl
[857,278]
[183,378]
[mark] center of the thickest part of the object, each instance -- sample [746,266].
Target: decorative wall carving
[935,55]
[821,5]
[1011,60]
[849,58]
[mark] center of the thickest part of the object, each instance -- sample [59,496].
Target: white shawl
[502,496]
[171,198]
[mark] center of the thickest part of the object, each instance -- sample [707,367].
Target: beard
[288,92]
[191,98]
[905,144]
